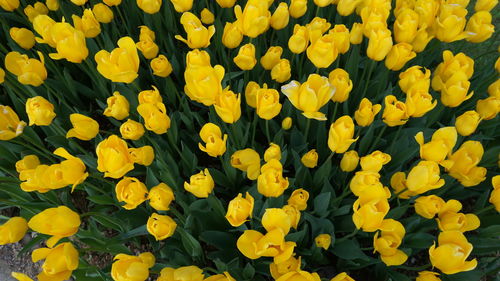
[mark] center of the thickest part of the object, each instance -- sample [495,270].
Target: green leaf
[321,203]
[349,250]
[191,245]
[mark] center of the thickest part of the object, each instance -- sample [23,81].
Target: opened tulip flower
[379,44]
[424,177]
[466,124]
[366,112]
[142,155]
[428,206]
[298,199]
[395,112]
[317,27]
[254,19]
[201,184]
[239,209]
[342,277]
[60,261]
[310,159]
[340,136]
[271,182]
[456,90]
[198,36]
[136,268]
[84,128]
[267,103]
[131,191]
[245,59]
[387,242]
[414,77]
[323,51]
[341,37]
[451,65]
[118,107]
[23,37]
[441,145]
[399,55]
[203,82]
[374,161]
[215,143]
[450,23]
[13,230]
[464,162]
[247,160]
[271,57]
[70,42]
[293,214]
[58,222]
[113,157]
[299,275]
[131,130]
[280,17]
[419,102]
[450,219]
[479,27]
[27,163]
[72,170]
[369,216]
[155,117]
[282,71]
[160,197]
[276,218]
[220,277]
[40,111]
[339,79]
[88,24]
[28,71]
[122,64]
[450,256]
[161,227]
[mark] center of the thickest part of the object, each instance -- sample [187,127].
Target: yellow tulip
[406,26]
[323,241]
[422,38]
[182,6]
[467,123]
[391,235]
[485,5]
[450,23]
[275,218]
[297,8]
[339,79]
[282,71]
[122,64]
[161,66]
[113,157]
[374,161]
[131,191]
[112,3]
[428,206]
[341,37]
[220,277]
[136,268]
[464,164]
[424,177]
[149,6]
[32,11]
[247,242]
[299,40]
[451,65]
[13,230]
[451,253]
[20,276]
[155,117]
[60,261]
[88,23]
[23,37]
[226,3]
[70,42]
[419,102]
[271,57]
[200,185]
[323,52]
[143,155]
[271,182]
[40,111]
[84,128]
[254,19]
[161,227]
[379,44]
[72,170]
[399,55]
[28,71]
[479,27]
[148,48]
[286,124]
[267,103]
[356,34]
[346,7]
[310,96]
[449,218]
[9,5]
[456,90]
[349,161]
[279,269]
[131,130]
[298,199]
[160,197]
[293,214]
[495,194]
[239,209]
[316,28]
[206,16]
[57,222]
[299,275]
[366,112]
[342,276]
[42,25]
[488,108]
[310,159]
[228,106]
[395,112]
[272,152]
[27,163]
[340,136]
[79,2]
[369,215]
[322,3]
[203,82]
[245,59]
[215,142]
[414,77]
[280,17]
[198,36]
[232,36]
[247,160]
[102,13]
[441,145]
[398,183]
[118,106]
[427,276]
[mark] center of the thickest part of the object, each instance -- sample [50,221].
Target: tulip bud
[32,11]
[228,106]
[245,59]
[59,222]
[10,125]
[467,123]
[421,40]
[79,2]
[52,5]
[254,19]
[366,112]
[113,157]
[346,7]
[112,3]
[131,191]
[374,161]
[161,66]
[323,241]
[239,209]
[495,194]
[414,77]
[13,230]
[182,6]
[60,260]
[310,159]
[160,197]
[155,117]
[142,155]
[9,5]
[323,52]
[479,27]
[322,3]
[297,8]
[148,48]
[298,199]
[198,36]
[215,144]
[131,130]
[126,267]
[349,161]
[485,5]
[102,13]
[395,113]
[427,276]
[399,55]
[226,3]
[232,36]
[356,35]
[455,90]
[247,160]
[450,23]
[419,102]
[280,17]
[339,79]
[271,182]
[40,111]
[271,58]
[488,108]
[286,124]
[200,185]
[340,136]
[299,40]
[27,163]
[379,44]
[118,107]
[161,227]
[207,17]
[275,218]
[251,93]
[342,277]
[267,103]
[88,24]
[84,128]
[341,38]
[405,26]
[2,75]
[428,206]
[23,37]
[282,71]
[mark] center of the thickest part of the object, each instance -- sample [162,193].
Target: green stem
[377,139]
[267,132]
[420,268]
[335,111]
[490,207]
[348,236]
[369,74]
[254,127]
[308,124]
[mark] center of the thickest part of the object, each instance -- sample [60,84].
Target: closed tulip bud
[228,106]
[198,36]
[142,155]
[280,17]
[155,117]
[297,8]
[406,26]
[206,16]
[356,35]
[464,164]
[251,90]
[122,64]
[254,19]
[424,177]
[479,27]
[131,191]
[40,111]
[200,185]
[247,160]
[79,2]
[488,108]
[379,44]
[271,182]
[112,3]
[118,107]
[349,161]
[232,36]
[33,11]
[275,218]
[339,79]
[215,143]
[286,124]
[421,40]
[57,222]
[373,22]
[60,261]
[310,96]
[239,209]
[451,23]
[451,254]
[131,130]
[298,199]
[419,102]
[161,227]
[485,5]
[495,194]
[299,41]
[28,71]
[395,112]
[346,7]
[374,161]
[427,276]
[160,197]
[341,38]
[428,206]
[271,58]
[268,103]
[272,152]
[342,277]
[456,90]
[366,112]
[126,267]
[9,5]
[84,128]
[113,157]
[442,143]
[323,52]
[23,37]
[282,71]
[226,3]
[10,125]
[340,136]
[310,159]
[245,59]
[414,77]
[182,6]
[323,241]
[13,230]
[494,89]
[148,48]
[399,55]
[27,163]
[52,5]
[102,13]
[161,66]
[88,24]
